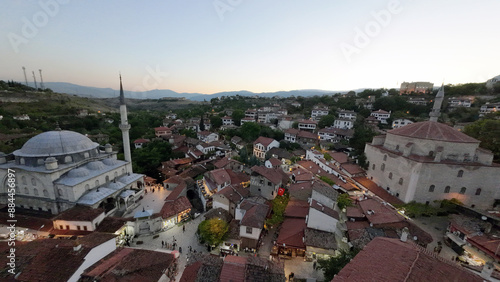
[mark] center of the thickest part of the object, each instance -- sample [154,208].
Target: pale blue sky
[258,45]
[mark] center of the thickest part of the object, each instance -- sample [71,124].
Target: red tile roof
[297,208]
[219,176]
[162,128]
[275,162]
[127,264]
[141,140]
[339,157]
[269,173]
[352,169]
[378,213]
[385,259]
[265,141]
[377,190]
[292,232]
[434,131]
[326,210]
[307,135]
[232,194]
[233,269]
[80,213]
[306,121]
[255,216]
[171,208]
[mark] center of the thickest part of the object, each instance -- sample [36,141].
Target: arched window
[447,189]
[431,154]
[382,167]
[116,174]
[460,173]
[40,161]
[462,190]
[60,192]
[478,191]
[26,191]
[23,180]
[33,181]
[107,178]
[87,187]
[21,161]
[123,171]
[385,157]
[431,188]
[86,155]
[68,159]
[45,193]
[390,175]
[96,183]
[35,192]
[400,181]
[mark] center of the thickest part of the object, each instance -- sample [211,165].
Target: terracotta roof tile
[297,208]
[434,131]
[291,233]
[80,213]
[265,141]
[171,208]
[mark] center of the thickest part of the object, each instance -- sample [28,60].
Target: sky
[209,46]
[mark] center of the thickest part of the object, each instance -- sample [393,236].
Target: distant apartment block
[343,123]
[381,115]
[309,125]
[416,87]
[318,112]
[343,114]
[489,108]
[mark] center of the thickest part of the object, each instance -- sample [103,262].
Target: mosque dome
[78,172]
[431,130]
[97,165]
[56,143]
[110,161]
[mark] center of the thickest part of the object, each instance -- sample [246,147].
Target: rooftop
[80,213]
[434,131]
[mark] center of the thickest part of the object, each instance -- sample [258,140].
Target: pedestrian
[314,265]
[180,250]
[183,228]
[162,244]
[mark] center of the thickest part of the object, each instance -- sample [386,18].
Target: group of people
[153,187]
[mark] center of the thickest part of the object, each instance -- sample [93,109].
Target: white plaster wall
[94,256]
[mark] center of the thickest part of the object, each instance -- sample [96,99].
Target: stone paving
[151,200]
[436,226]
[182,239]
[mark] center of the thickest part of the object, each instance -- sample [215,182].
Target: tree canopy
[488,132]
[333,265]
[213,231]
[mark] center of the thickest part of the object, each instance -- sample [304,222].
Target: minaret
[436,109]
[124,126]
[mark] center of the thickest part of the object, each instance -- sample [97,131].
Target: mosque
[430,161]
[56,170]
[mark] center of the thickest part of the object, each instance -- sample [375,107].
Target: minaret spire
[124,126]
[436,109]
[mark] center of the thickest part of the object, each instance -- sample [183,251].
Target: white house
[262,145]
[401,122]
[318,112]
[321,217]
[344,114]
[79,218]
[343,123]
[381,115]
[207,136]
[309,125]
[227,120]
[252,214]
[456,102]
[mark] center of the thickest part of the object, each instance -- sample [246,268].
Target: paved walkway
[302,269]
[436,226]
[182,239]
[151,200]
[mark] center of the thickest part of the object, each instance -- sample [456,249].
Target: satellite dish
[484,217]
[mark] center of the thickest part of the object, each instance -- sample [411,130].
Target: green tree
[215,121]
[188,132]
[344,201]
[488,132]
[279,205]
[251,131]
[333,265]
[326,121]
[237,116]
[213,231]
[202,124]
[327,180]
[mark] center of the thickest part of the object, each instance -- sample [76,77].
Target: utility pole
[25,77]
[34,78]
[41,80]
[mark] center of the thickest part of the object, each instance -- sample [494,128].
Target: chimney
[404,234]
[487,270]
[77,248]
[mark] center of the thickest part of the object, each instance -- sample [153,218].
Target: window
[400,181]
[33,181]
[45,193]
[382,167]
[67,227]
[96,183]
[26,191]
[85,228]
[68,159]
[390,175]
[447,189]
[431,188]
[249,230]
[478,191]
[61,227]
[35,192]
[78,227]
[269,183]
[462,190]
[460,173]
[23,180]
[385,157]
[431,153]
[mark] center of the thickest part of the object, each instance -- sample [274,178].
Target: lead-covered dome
[56,143]
[431,130]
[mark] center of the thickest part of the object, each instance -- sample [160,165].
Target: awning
[455,239]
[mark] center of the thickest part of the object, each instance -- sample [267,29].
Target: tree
[213,231]
[251,131]
[237,116]
[344,201]
[333,265]
[326,121]
[327,180]
[279,205]
[188,132]
[488,132]
[202,124]
[215,121]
